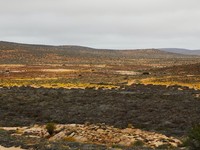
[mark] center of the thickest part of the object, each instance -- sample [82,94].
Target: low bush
[138,143]
[50,128]
[193,139]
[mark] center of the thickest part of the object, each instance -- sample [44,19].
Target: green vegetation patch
[193,139]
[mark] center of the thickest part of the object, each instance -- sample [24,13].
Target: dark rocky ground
[167,110]
[171,110]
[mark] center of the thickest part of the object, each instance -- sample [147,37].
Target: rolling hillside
[181,51]
[14,53]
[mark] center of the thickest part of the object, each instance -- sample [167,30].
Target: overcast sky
[121,24]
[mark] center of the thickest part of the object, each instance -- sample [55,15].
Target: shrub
[138,143]
[193,139]
[50,128]
[130,125]
[165,146]
[117,146]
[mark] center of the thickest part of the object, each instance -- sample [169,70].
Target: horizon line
[57,45]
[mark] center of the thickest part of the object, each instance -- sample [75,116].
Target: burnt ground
[168,110]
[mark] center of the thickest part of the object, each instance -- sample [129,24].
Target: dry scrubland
[96,99]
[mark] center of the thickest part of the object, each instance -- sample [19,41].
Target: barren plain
[96,99]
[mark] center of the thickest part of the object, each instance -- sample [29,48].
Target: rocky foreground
[153,115]
[99,134]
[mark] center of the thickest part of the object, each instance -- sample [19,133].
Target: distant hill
[181,51]
[188,69]
[39,54]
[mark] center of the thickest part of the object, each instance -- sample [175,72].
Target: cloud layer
[118,24]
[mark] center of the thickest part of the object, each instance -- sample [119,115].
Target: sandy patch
[58,70]
[127,72]
[10,148]
[11,65]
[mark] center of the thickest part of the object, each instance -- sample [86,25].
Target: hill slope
[181,51]
[39,54]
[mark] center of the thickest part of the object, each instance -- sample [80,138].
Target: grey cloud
[102,23]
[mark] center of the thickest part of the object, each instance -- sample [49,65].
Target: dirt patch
[128,72]
[58,70]
[10,148]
